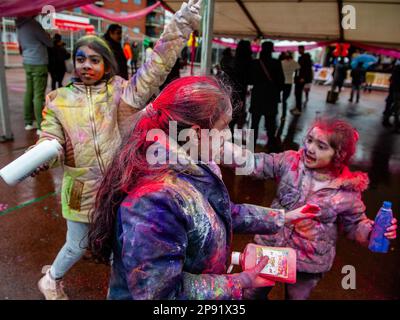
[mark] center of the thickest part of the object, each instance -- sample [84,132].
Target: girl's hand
[308,211]
[191,10]
[194,6]
[43,167]
[251,278]
[391,231]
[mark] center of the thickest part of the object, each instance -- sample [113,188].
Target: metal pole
[207,36]
[4,112]
[71,40]
[5,41]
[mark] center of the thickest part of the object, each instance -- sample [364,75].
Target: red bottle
[281,265]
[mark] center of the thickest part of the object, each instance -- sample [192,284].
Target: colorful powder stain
[3,207]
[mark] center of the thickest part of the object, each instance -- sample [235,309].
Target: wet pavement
[33,230]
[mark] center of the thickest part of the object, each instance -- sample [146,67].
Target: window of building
[138,2]
[136,30]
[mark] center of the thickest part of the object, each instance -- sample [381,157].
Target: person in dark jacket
[240,77]
[227,62]
[113,36]
[303,76]
[339,74]
[268,80]
[135,57]
[393,100]
[165,212]
[357,78]
[57,57]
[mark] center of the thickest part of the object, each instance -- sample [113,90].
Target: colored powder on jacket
[173,236]
[340,202]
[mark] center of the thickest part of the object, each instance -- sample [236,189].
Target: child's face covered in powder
[318,153]
[89,65]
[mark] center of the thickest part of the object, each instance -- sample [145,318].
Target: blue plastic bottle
[378,242]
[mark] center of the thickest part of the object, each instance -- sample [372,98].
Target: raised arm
[139,89]
[260,165]
[252,219]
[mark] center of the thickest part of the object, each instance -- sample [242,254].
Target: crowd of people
[272,80]
[166,228]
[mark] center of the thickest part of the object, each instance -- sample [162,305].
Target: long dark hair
[188,101]
[112,28]
[101,47]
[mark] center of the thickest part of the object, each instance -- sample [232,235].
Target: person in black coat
[57,57]
[227,62]
[303,76]
[113,36]
[393,105]
[357,78]
[268,80]
[240,79]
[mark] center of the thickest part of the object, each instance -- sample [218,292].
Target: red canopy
[15,8]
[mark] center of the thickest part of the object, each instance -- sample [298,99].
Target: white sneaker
[29,127]
[50,288]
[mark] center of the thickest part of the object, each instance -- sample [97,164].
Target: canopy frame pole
[207,36]
[71,39]
[5,123]
[5,40]
[340,16]
[250,17]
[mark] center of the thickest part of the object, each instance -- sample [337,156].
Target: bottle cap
[235,258]
[387,205]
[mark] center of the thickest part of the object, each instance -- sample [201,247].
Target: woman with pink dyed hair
[169,224]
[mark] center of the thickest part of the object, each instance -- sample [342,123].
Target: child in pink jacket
[317,173]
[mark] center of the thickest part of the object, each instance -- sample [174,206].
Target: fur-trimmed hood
[353,181]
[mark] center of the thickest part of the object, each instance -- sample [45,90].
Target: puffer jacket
[314,239]
[173,236]
[88,121]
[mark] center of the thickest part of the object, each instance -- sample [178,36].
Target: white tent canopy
[377,21]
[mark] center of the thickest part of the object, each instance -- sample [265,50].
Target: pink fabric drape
[16,8]
[99,12]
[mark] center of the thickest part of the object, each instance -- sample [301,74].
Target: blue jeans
[73,249]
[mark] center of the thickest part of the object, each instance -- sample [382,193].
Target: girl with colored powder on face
[88,118]
[317,173]
[168,223]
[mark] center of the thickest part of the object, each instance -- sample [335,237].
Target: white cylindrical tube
[25,165]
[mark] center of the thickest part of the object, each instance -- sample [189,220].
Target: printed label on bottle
[277,264]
